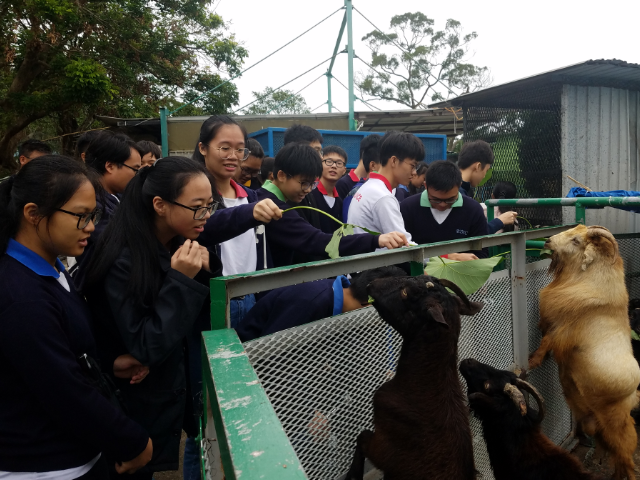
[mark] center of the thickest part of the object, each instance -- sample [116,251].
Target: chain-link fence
[524,130]
[321,377]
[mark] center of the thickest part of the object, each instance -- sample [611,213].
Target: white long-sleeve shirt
[375,207]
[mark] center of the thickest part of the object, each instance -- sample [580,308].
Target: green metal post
[330,105]
[349,5]
[580,214]
[164,135]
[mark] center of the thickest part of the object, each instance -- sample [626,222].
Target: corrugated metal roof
[592,73]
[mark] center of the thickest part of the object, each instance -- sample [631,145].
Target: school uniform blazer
[292,233]
[51,417]
[494,225]
[154,333]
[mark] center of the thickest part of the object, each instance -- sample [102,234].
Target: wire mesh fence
[321,377]
[524,131]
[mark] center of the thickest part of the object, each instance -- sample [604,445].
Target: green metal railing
[241,434]
[580,204]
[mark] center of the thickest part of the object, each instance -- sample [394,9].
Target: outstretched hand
[266,210]
[392,240]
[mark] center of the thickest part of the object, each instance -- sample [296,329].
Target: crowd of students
[100,364]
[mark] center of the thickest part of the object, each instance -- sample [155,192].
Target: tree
[68,60]
[430,65]
[279,102]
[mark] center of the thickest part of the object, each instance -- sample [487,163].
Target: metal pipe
[567,202]
[329,104]
[164,134]
[349,14]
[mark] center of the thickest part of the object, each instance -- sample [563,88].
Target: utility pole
[164,136]
[349,15]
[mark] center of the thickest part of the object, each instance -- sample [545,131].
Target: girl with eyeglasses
[57,420]
[221,148]
[147,284]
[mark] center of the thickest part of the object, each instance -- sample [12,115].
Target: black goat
[420,416]
[517,447]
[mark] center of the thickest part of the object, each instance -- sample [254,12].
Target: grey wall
[600,139]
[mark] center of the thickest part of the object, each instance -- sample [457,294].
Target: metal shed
[582,120]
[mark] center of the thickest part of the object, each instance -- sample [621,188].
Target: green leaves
[546,251]
[487,177]
[469,276]
[333,248]
[279,102]
[634,334]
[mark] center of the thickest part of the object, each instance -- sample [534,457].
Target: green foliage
[333,247]
[279,102]
[414,64]
[69,61]
[470,276]
[487,177]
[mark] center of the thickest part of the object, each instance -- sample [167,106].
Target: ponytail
[49,182]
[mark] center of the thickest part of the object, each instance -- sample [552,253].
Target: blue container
[272,140]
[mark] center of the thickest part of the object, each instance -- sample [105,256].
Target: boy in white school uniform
[375,206]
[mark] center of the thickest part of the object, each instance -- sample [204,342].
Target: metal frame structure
[240,433]
[580,203]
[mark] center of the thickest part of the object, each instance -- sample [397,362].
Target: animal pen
[260,397]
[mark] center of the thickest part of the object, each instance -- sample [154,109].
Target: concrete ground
[582,452]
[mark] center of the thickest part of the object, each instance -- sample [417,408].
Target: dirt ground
[581,451]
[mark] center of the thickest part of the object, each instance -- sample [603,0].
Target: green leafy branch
[333,248]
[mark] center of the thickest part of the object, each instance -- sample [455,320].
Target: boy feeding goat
[420,416]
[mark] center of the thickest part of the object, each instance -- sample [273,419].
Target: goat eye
[576,240]
[404,293]
[487,385]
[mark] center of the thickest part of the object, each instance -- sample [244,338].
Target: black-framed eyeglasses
[200,212]
[319,150]
[306,186]
[136,170]
[251,172]
[84,218]
[330,162]
[438,201]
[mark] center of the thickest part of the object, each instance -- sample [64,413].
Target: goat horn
[536,394]
[517,398]
[456,289]
[598,231]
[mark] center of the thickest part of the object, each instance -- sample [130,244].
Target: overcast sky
[515,39]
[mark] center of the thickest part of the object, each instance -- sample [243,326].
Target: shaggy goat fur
[420,416]
[584,322]
[517,447]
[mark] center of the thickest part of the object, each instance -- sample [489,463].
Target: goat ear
[588,256]
[436,314]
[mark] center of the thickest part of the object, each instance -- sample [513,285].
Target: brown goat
[420,416]
[584,322]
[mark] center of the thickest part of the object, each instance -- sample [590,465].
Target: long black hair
[209,130]
[133,226]
[421,169]
[48,181]
[503,190]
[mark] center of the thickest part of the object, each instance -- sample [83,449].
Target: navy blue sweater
[292,232]
[326,224]
[51,418]
[345,184]
[463,222]
[494,225]
[288,307]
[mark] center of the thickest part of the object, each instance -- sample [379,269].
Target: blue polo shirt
[289,307]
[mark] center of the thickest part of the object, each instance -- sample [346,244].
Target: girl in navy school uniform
[54,422]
